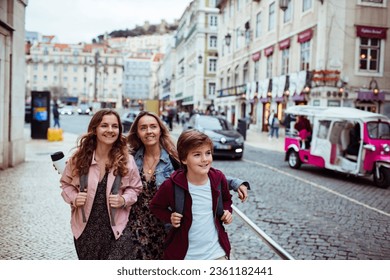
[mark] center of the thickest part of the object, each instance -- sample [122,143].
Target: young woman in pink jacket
[99,213]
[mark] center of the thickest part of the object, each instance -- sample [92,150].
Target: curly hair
[87,143]
[165,137]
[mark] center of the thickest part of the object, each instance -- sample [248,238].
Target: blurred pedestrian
[98,215]
[275,123]
[198,232]
[56,115]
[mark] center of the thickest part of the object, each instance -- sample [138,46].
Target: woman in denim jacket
[156,158]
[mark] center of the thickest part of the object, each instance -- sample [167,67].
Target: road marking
[320,187]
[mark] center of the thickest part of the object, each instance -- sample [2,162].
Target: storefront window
[369,54]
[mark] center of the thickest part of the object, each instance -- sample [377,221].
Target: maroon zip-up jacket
[176,243]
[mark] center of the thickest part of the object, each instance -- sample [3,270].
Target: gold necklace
[150,167]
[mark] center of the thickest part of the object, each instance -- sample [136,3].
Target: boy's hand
[176,219]
[227,217]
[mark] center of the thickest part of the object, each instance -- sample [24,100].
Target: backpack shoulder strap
[83,182]
[83,186]
[116,184]
[115,190]
[220,202]
[179,199]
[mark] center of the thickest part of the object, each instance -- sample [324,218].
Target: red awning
[305,36]
[298,97]
[269,51]
[285,44]
[370,96]
[371,32]
[256,56]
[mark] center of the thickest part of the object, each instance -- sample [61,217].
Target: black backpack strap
[115,190]
[220,202]
[83,186]
[179,199]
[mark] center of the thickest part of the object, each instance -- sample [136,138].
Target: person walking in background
[98,216]
[198,233]
[156,157]
[275,126]
[269,120]
[56,115]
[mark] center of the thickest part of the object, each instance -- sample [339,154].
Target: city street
[312,214]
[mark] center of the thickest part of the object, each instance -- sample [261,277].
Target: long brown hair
[87,143]
[165,137]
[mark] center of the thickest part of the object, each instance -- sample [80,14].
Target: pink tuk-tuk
[342,139]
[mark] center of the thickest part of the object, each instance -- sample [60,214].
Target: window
[258,25]
[213,20]
[212,65]
[236,75]
[271,17]
[306,5]
[256,70]
[212,89]
[269,66]
[373,2]
[45,67]
[213,42]
[65,68]
[369,56]
[287,15]
[285,61]
[305,56]
[245,73]
[75,69]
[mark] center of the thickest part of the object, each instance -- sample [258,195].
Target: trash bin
[241,127]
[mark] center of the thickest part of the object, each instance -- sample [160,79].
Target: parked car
[128,119]
[84,109]
[66,110]
[227,141]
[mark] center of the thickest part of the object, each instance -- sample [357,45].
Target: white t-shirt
[203,235]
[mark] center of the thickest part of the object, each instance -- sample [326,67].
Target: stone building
[12,82]
[274,54]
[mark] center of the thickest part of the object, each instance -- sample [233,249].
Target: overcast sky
[74,21]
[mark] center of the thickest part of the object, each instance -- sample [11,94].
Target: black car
[227,141]
[128,119]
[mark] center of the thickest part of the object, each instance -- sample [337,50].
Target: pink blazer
[130,188]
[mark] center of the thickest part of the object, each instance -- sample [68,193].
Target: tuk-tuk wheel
[293,159]
[383,181]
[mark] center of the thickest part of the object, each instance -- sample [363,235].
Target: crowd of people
[120,188]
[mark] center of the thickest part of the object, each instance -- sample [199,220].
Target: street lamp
[200,58]
[374,86]
[228,39]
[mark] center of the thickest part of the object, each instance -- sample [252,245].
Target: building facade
[83,73]
[12,77]
[274,54]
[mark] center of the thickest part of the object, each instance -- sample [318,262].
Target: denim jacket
[164,169]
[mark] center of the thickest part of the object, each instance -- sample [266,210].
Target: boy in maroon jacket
[198,233]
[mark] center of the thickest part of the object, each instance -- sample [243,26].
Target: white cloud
[76,21]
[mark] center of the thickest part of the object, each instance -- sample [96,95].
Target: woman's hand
[116,201]
[242,193]
[176,219]
[81,198]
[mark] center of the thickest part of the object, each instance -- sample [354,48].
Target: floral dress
[148,233]
[95,243]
